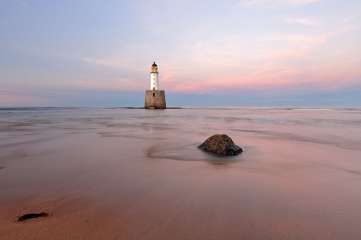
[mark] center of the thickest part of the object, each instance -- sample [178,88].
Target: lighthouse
[154,97]
[154,81]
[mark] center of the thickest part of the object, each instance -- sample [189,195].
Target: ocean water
[137,174]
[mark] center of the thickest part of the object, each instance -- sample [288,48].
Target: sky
[209,53]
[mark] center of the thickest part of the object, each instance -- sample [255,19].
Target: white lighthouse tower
[154,80]
[154,97]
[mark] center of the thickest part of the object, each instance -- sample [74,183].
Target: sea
[120,173]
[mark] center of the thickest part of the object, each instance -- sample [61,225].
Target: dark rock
[29,216]
[221,145]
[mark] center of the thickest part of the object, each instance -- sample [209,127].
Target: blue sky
[210,53]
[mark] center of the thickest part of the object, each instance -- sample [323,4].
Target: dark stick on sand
[29,216]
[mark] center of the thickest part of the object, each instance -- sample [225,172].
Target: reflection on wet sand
[121,135]
[134,174]
[188,152]
[335,141]
[21,143]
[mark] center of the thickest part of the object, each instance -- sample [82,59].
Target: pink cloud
[323,77]
[16,99]
[310,22]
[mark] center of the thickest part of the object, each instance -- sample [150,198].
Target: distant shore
[195,108]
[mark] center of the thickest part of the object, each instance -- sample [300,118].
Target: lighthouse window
[153,94]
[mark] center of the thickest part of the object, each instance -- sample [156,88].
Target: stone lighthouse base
[154,99]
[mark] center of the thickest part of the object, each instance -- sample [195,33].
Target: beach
[138,174]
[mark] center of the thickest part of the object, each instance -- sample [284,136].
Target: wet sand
[136,174]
